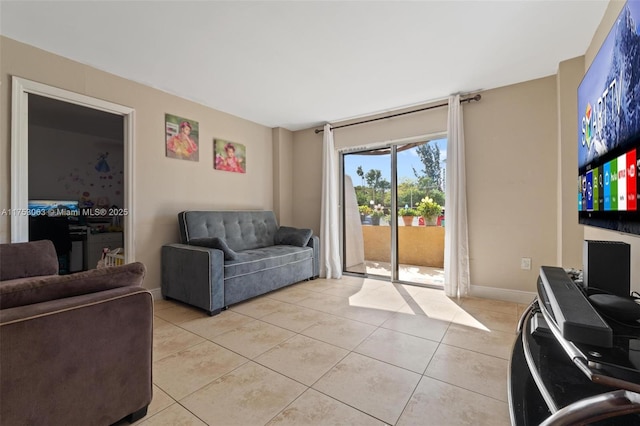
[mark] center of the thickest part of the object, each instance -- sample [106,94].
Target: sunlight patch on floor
[410,300]
[410,273]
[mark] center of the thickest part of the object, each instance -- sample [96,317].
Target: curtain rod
[473,98]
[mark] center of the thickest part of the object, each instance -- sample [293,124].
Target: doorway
[43,97]
[393,215]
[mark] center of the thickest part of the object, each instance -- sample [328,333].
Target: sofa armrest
[194,275]
[314,243]
[83,360]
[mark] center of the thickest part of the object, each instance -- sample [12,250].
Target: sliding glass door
[367,201]
[420,194]
[393,212]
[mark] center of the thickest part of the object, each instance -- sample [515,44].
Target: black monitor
[54,208]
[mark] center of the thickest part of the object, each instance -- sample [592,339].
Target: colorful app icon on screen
[580,193]
[613,177]
[606,170]
[637,167]
[622,183]
[584,193]
[600,188]
[631,181]
[590,190]
[596,189]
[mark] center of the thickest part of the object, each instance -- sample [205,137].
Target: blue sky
[406,159]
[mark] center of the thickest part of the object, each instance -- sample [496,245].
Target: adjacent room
[316,213]
[76,166]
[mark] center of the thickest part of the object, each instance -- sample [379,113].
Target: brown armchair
[74,349]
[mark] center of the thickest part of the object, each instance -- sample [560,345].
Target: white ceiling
[297,64]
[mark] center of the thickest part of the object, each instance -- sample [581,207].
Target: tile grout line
[349,405]
[349,351]
[423,373]
[468,390]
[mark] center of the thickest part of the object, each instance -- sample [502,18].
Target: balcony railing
[417,245]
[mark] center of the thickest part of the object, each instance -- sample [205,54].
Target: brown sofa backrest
[20,260]
[27,291]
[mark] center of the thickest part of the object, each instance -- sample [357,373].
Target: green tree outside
[429,154]
[427,182]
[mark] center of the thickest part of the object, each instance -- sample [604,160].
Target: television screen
[609,129]
[53,208]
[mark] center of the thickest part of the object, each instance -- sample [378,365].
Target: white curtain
[330,265]
[456,241]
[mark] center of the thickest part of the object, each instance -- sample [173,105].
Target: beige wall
[591,233]
[511,183]
[307,186]
[511,176]
[282,175]
[163,186]
[570,232]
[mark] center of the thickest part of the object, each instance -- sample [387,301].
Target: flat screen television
[609,129]
[54,208]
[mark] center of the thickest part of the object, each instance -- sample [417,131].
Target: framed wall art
[229,156]
[181,138]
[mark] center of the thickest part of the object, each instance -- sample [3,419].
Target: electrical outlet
[525,263]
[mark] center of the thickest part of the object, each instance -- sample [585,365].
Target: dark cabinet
[555,381]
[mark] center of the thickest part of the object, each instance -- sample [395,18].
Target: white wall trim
[21,88]
[19,160]
[517,296]
[156,293]
[388,143]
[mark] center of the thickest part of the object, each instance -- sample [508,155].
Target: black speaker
[606,266]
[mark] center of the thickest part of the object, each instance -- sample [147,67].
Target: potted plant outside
[407,215]
[364,212]
[378,212]
[429,210]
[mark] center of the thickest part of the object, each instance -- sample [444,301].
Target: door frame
[393,146]
[21,88]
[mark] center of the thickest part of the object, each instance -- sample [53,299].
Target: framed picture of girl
[181,138]
[229,156]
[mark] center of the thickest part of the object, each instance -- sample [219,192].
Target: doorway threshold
[422,276]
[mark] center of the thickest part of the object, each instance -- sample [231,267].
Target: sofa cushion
[26,291]
[30,259]
[241,230]
[292,236]
[250,261]
[215,243]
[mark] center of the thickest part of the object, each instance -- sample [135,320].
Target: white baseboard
[156,293]
[517,296]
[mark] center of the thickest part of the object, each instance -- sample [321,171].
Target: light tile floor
[353,351]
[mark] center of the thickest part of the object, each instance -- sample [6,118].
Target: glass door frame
[342,204]
[393,223]
[394,214]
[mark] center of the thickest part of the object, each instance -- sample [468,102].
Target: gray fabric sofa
[226,257]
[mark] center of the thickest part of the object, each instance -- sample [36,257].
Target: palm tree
[360,173]
[373,178]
